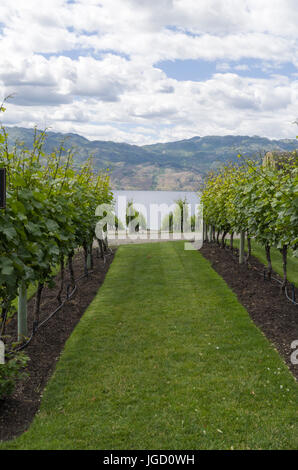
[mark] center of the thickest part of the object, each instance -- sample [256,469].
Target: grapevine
[50,213]
[260,200]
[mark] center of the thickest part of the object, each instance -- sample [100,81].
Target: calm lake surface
[154,205]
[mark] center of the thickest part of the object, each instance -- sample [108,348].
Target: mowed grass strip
[166,358]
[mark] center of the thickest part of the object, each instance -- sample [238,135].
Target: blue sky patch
[74,54]
[176,29]
[181,70]
[202,70]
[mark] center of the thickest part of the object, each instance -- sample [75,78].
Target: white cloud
[89,67]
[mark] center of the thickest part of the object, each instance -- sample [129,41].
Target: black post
[2,188]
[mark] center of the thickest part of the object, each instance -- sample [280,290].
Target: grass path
[165,358]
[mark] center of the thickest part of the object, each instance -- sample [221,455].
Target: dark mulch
[268,307]
[18,411]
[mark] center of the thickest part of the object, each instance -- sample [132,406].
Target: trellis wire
[293,299]
[36,327]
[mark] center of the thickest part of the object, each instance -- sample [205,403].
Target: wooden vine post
[2,352]
[210,233]
[88,259]
[204,231]
[22,312]
[241,247]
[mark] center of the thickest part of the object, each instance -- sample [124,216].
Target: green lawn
[166,358]
[259,252]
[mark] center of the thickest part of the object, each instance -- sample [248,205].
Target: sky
[142,72]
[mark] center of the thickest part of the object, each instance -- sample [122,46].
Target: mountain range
[179,165]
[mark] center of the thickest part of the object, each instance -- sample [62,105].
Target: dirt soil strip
[270,310]
[18,411]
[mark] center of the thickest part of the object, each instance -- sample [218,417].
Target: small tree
[134,219]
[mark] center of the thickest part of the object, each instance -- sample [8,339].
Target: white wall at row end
[154,205]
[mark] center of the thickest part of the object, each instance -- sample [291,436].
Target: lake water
[154,205]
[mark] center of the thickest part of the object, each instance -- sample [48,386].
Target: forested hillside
[167,166]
